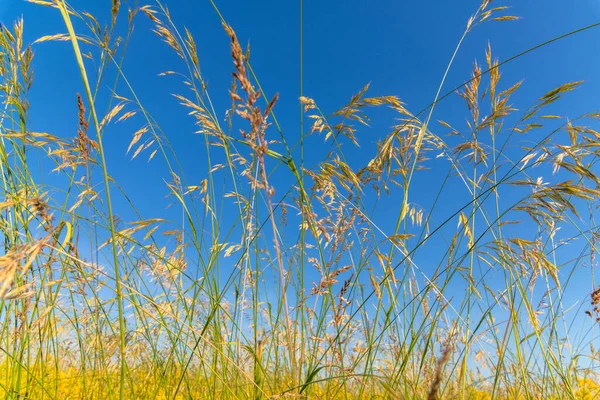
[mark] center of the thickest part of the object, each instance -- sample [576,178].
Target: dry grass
[268,290]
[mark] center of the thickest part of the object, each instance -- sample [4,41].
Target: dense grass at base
[266,277]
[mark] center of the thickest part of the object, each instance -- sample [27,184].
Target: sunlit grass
[282,279]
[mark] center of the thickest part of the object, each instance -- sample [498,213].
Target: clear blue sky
[401,47]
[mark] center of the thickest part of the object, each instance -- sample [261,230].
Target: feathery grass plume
[82,141]
[437,380]
[269,276]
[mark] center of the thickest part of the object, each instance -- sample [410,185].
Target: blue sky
[401,47]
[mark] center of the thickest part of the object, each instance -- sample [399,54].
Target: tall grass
[284,279]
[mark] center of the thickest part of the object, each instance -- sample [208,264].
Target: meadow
[426,259]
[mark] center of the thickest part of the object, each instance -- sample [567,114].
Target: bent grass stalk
[122,328]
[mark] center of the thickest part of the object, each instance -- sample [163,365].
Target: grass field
[453,259]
